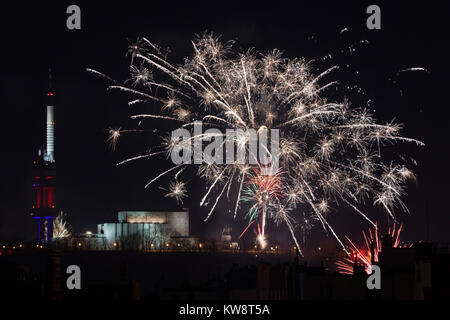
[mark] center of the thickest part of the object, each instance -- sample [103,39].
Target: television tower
[43,207]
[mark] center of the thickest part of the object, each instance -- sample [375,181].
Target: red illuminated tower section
[43,207]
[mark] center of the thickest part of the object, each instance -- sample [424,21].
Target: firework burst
[114,135]
[369,254]
[61,228]
[265,191]
[330,153]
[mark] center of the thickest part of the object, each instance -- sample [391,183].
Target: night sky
[91,189]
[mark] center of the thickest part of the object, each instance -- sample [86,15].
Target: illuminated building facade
[146,230]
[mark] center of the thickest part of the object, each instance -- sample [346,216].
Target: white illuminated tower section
[50,148]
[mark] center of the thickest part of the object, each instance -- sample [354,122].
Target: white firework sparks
[177,191]
[331,153]
[61,229]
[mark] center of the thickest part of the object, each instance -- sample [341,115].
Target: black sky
[91,189]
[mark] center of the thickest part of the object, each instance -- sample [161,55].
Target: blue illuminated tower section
[43,208]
